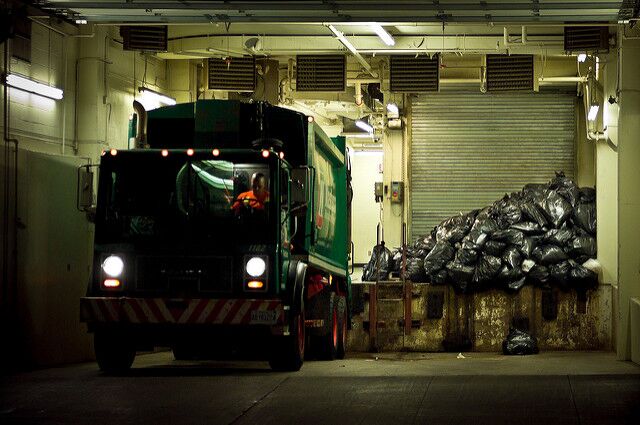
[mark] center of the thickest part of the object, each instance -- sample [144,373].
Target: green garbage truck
[225,232]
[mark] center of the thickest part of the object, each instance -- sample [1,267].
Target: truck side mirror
[84,190]
[300,184]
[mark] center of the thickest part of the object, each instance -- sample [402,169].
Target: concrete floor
[550,388]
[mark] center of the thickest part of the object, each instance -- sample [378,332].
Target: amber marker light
[165,152]
[113,152]
[190,152]
[255,284]
[103,153]
[310,118]
[216,152]
[111,283]
[265,153]
[281,155]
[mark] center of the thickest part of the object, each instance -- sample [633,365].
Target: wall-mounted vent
[586,39]
[506,73]
[232,74]
[320,73]
[146,38]
[415,74]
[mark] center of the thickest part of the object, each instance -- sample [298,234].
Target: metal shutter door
[469,149]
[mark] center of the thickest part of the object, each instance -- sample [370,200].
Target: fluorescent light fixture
[159,97]
[340,36]
[359,135]
[382,33]
[364,126]
[31,86]
[81,21]
[582,57]
[593,112]
[392,110]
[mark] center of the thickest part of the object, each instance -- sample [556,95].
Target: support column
[628,335]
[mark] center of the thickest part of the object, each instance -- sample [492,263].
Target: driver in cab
[256,198]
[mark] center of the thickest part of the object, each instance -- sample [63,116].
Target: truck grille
[184,275]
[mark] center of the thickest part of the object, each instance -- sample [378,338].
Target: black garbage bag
[556,208]
[548,254]
[582,246]
[439,256]
[534,187]
[494,248]
[484,223]
[460,275]
[565,188]
[487,268]
[515,285]
[512,257]
[510,236]
[476,238]
[519,343]
[510,210]
[527,227]
[582,278]
[584,216]
[538,275]
[508,274]
[467,256]
[560,273]
[439,278]
[415,270]
[455,228]
[396,260]
[425,243]
[379,265]
[587,194]
[527,246]
[533,212]
[558,237]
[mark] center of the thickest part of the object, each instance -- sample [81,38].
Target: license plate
[264,317]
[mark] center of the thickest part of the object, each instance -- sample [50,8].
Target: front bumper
[202,311]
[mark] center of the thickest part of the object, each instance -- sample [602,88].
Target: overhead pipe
[340,36]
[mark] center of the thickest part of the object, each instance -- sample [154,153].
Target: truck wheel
[327,344]
[114,353]
[342,328]
[288,352]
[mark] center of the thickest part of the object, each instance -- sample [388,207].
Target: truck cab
[224,234]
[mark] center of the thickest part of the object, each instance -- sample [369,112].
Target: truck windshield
[163,199]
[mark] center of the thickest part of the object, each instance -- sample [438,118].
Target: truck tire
[288,352]
[114,353]
[342,328]
[327,344]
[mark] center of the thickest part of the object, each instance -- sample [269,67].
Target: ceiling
[334,11]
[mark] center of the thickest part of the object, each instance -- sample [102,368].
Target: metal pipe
[37,21]
[141,131]
[340,36]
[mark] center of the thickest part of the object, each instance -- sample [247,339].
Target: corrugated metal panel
[469,149]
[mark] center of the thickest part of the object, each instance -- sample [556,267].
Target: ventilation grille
[320,73]
[411,74]
[147,38]
[236,74]
[513,72]
[586,39]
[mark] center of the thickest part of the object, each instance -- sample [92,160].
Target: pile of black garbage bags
[543,235]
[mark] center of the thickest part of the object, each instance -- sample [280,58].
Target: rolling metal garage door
[469,149]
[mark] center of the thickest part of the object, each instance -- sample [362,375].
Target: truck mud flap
[184,311]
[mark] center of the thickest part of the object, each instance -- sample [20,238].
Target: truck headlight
[256,266]
[113,266]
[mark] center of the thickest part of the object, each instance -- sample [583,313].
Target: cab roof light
[310,118]
[165,152]
[190,152]
[113,152]
[265,153]
[255,284]
[281,155]
[216,152]
[111,283]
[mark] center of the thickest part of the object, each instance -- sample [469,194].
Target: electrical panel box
[397,191]
[378,191]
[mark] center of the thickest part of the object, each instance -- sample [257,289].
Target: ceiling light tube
[383,34]
[340,36]
[364,126]
[593,112]
[157,96]
[582,57]
[393,110]
[31,86]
